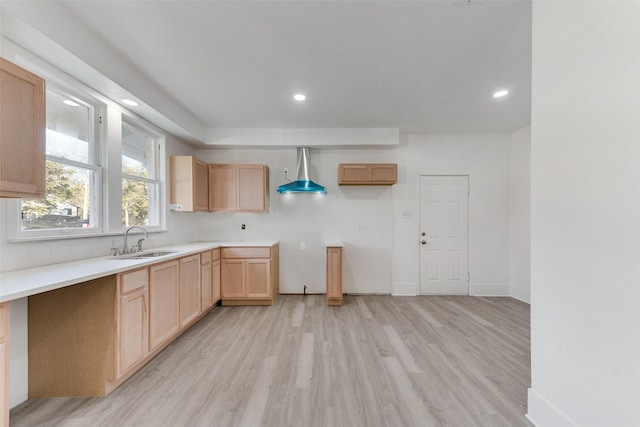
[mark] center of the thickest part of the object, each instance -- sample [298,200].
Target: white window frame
[95,158]
[159,168]
[108,117]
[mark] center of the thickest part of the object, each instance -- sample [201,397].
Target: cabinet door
[189,183]
[215,278]
[222,188]
[252,188]
[206,289]
[232,283]
[189,289]
[352,173]
[164,321]
[334,273]
[133,329]
[22,134]
[201,186]
[258,278]
[4,364]
[383,173]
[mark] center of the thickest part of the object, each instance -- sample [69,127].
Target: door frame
[468,228]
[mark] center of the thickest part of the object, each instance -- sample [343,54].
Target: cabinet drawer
[205,258]
[246,252]
[132,280]
[215,254]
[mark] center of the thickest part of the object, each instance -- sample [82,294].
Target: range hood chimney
[303,183]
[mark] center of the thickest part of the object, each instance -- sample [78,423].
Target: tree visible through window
[71,185]
[140,184]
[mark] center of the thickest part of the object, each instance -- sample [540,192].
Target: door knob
[424,242]
[423,234]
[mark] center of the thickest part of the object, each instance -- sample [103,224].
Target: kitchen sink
[144,255]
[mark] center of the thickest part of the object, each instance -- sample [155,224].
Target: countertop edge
[31,281]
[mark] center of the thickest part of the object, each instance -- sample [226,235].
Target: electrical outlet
[302,245]
[244,227]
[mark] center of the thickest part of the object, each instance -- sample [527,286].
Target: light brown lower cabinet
[206,281]
[249,275]
[87,339]
[334,275]
[190,288]
[133,318]
[4,364]
[215,275]
[164,302]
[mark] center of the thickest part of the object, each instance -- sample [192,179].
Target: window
[72,171]
[79,147]
[140,177]
[100,176]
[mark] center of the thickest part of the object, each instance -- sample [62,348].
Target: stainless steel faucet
[136,248]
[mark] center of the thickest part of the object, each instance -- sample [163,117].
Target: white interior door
[444,235]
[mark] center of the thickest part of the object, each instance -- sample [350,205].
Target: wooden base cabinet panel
[258,278]
[249,275]
[87,339]
[190,300]
[334,276]
[232,278]
[215,284]
[133,319]
[206,282]
[164,302]
[4,365]
[72,339]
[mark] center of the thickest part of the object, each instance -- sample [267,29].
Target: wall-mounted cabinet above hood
[303,182]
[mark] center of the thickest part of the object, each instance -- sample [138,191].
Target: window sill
[27,239]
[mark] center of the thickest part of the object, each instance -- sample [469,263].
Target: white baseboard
[405,289]
[489,290]
[542,413]
[521,294]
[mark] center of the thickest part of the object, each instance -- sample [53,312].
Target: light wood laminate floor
[375,361]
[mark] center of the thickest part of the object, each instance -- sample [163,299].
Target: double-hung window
[104,166]
[73,174]
[140,176]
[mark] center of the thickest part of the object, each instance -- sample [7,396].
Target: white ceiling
[421,66]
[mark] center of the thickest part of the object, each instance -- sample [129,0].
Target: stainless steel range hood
[303,183]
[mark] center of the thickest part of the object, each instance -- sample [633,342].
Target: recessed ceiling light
[299,97]
[129,102]
[500,93]
[70,103]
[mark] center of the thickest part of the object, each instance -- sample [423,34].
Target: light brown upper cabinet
[367,173]
[238,188]
[189,183]
[22,133]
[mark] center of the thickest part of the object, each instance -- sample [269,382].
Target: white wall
[314,219]
[520,215]
[485,159]
[585,214]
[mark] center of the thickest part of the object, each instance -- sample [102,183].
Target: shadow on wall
[364,192]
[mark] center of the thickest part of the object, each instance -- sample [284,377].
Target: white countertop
[30,281]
